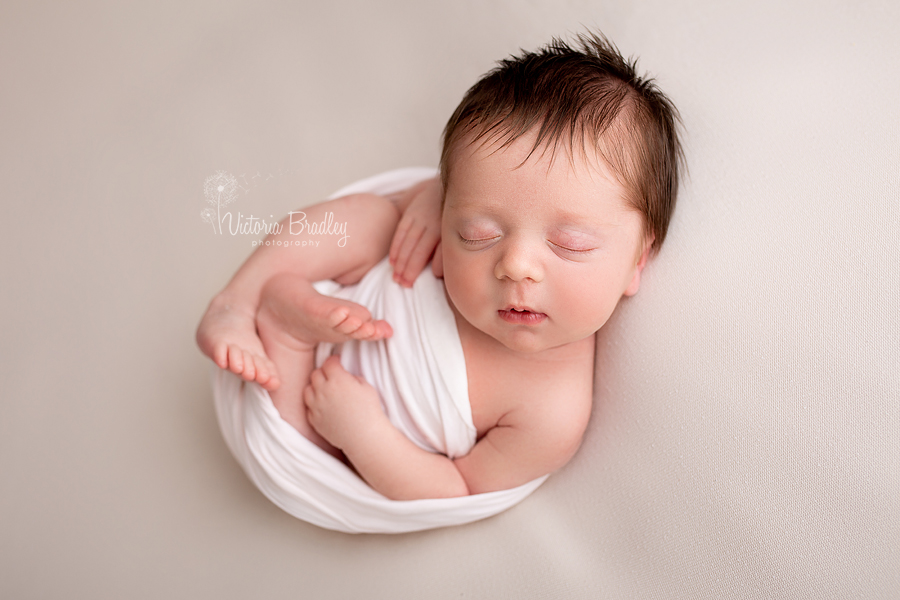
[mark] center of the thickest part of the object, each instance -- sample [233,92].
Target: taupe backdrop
[745,441]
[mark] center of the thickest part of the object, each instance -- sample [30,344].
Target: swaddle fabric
[420,374]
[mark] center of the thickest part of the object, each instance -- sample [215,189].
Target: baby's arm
[526,444]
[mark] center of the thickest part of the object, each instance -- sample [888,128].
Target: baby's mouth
[521,316]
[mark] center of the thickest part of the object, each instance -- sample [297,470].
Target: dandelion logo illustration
[209,216]
[220,190]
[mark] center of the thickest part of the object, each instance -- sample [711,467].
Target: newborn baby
[558,177]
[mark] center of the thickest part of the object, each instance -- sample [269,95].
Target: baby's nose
[519,262]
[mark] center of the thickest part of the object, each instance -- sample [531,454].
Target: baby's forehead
[476,164]
[545,191]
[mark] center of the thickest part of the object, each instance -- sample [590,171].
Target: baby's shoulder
[540,396]
[553,404]
[531,413]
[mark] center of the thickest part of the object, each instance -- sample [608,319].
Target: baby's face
[538,255]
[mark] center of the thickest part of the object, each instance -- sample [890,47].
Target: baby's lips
[522,317]
[522,308]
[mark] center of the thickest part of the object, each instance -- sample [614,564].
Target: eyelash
[563,248]
[573,250]
[473,242]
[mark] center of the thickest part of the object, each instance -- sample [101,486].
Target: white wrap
[420,373]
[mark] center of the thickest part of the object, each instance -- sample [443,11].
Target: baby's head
[560,171]
[588,101]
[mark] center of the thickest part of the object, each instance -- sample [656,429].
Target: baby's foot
[227,335]
[337,320]
[312,318]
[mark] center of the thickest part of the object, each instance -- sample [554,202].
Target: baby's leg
[293,318]
[227,332]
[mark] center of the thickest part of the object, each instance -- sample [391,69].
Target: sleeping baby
[557,180]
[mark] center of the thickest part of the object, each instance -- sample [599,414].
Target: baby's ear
[635,284]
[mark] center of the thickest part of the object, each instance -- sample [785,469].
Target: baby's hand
[340,406]
[227,335]
[418,233]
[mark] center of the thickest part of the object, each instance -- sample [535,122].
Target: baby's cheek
[460,290]
[585,301]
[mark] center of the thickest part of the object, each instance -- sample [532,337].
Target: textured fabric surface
[745,439]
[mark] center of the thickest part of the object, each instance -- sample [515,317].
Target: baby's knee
[371,222]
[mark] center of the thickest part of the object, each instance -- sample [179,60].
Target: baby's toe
[220,355]
[235,360]
[272,384]
[338,316]
[249,372]
[349,325]
[364,332]
[382,330]
[262,371]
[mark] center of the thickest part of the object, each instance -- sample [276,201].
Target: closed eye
[478,241]
[572,250]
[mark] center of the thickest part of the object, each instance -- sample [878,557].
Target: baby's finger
[309,399]
[332,367]
[418,258]
[410,243]
[399,235]
[316,378]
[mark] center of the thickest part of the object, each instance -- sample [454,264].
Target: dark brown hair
[588,95]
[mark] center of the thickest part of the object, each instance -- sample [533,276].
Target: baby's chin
[534,343]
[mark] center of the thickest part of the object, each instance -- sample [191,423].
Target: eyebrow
[584,228]
[562,218]
[461,200]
